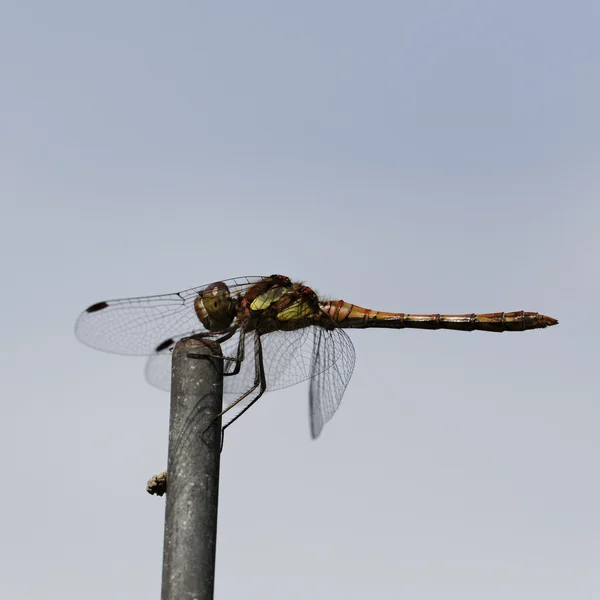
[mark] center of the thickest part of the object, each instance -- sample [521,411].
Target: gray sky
[419,157]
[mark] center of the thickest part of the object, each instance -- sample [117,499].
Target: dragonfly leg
[263,387]
[240,355]
[259,380]
[236,359]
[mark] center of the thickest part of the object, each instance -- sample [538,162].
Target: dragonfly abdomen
[353,316]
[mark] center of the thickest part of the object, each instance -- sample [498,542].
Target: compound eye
[217,290]
[216,307]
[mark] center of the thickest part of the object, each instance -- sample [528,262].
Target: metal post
[193,468]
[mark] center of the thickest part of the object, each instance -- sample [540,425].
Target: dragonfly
[274,333]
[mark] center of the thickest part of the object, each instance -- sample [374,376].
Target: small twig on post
[193,468]
[157,484]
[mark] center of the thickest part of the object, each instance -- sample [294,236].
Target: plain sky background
[413,156]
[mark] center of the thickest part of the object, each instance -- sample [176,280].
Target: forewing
[332,365]
[140,325]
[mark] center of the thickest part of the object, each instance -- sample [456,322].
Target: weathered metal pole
[193,472]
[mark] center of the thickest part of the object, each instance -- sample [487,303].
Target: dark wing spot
[164,345]
[96,307]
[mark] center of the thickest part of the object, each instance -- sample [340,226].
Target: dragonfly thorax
[282,307]
[215,307]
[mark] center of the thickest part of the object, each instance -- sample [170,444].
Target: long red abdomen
[352,316]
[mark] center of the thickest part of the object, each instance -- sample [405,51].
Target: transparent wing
[287,357]
[290,357]
[158,370]
[158,365]
[332,366]
[140,325]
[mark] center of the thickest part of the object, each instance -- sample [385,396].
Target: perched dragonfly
[273,333]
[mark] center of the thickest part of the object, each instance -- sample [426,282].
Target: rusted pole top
[193,472]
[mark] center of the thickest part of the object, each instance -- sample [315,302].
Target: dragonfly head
[215,307]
